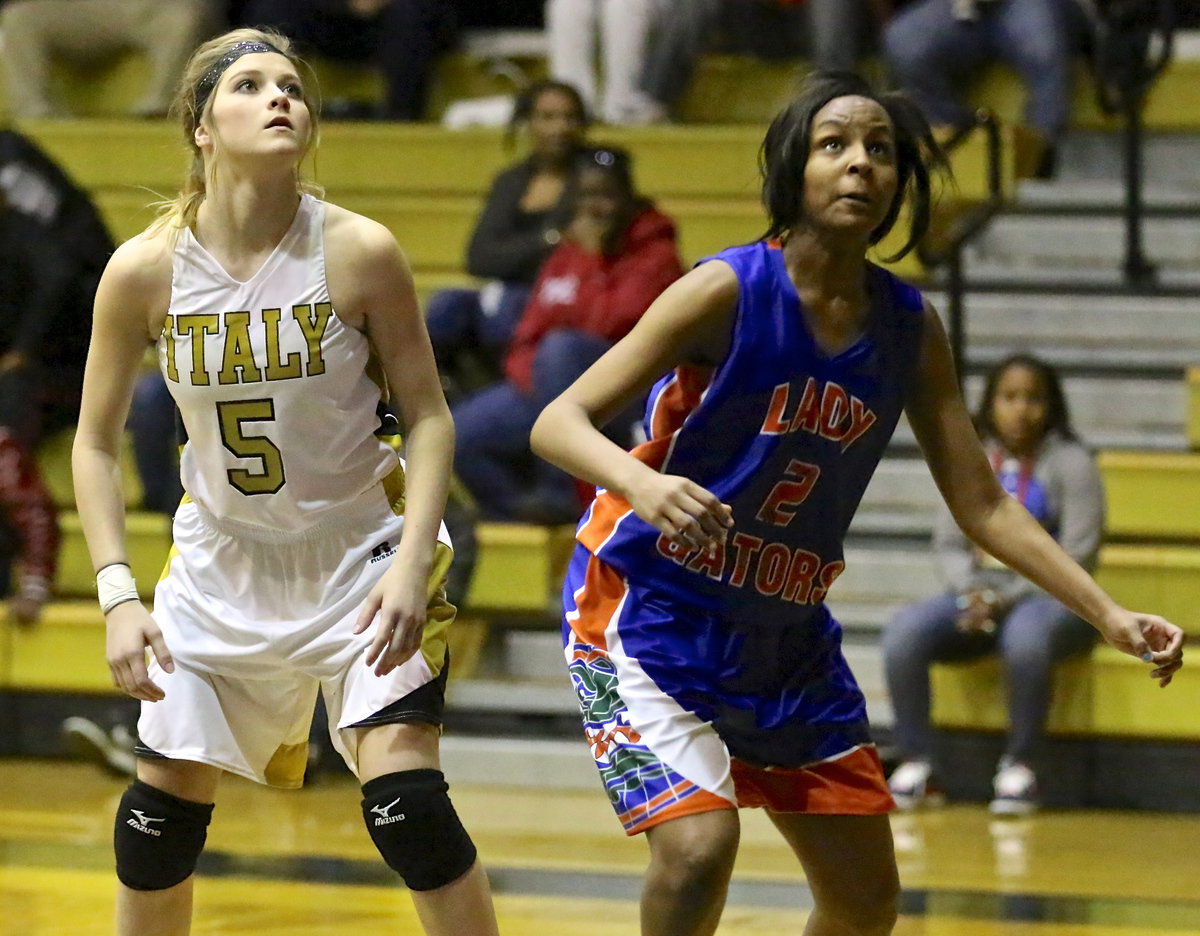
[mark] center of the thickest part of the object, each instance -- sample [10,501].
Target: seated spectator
[522,220]
[934,47]
[619,28]
[989,609]
[617,254]
[832,34]
[36,32]
[55,248]
[52,248]
[403,38]
[31,268]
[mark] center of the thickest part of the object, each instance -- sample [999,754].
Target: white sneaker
[912,785]
[112,750]
[1015,790]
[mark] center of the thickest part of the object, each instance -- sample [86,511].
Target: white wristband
[115,585]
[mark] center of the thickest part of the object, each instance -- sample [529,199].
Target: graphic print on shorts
[638,784]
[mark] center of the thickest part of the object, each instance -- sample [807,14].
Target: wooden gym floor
[301,863]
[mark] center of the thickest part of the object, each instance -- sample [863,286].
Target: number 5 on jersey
[232,415]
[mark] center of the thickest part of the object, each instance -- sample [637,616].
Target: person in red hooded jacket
[616,255]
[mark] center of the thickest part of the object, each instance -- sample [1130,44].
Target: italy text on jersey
[237,364]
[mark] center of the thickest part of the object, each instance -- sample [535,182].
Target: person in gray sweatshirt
[989,609]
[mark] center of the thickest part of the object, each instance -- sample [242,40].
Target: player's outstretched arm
[1001,526]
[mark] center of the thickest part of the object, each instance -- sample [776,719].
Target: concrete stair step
[540,693]
[1164,325]
[900,500]
[988,274]
[1092,243]
[549,693]
[1096,157]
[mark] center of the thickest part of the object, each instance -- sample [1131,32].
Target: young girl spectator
[988,608]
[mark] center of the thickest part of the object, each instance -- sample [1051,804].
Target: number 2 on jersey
[779,506]
[231,415]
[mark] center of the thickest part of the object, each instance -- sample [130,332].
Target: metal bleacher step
[900,500]
[1114,332]
[1091,165]
[1069,245]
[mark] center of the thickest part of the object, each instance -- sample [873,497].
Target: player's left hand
[398,604]
[1148,637]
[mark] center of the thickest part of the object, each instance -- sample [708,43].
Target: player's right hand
[691,516]
[1149,637]
[129,631]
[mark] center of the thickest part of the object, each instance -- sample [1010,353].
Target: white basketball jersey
[272,386]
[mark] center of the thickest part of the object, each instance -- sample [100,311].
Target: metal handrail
[1134,43]
[964,228]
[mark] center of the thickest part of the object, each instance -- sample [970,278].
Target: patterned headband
[208,83]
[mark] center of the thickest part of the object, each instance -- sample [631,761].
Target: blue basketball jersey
[789,437]
[785,434]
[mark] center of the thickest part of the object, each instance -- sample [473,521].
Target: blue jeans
[483,319]
[1036,633]
[474,321]
[151,426]
[932,55]
[492,457]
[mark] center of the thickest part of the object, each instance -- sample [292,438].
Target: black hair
[1058,417]
[612,160]
[785,149]
[523,106]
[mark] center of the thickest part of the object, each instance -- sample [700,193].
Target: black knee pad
[413,824]
[158,837]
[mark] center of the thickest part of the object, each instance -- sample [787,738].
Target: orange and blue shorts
[677,725]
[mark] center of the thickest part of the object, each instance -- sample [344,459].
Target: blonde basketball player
[305,555]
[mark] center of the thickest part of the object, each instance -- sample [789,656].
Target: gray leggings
[1036,633]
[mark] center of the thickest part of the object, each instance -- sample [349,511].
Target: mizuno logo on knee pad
[381,812]
[141,822]
[158,837]
[413,824]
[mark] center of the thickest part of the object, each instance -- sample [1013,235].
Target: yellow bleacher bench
[520,568]
[1106,694]
[1152,495]
[63,652]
